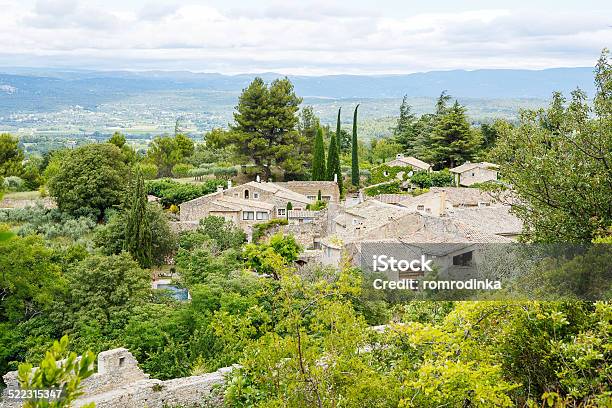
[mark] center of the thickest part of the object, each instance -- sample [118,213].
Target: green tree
[384,149]
[59,370]
[118,139]
[11,156]
[111,238]
[89,180]
[405,132]
[30,280]
[318,158]
[166,151]
[333,156]
[558,163]
[138,239]
[105,289]
[355,152]
[264,129]
[452,140]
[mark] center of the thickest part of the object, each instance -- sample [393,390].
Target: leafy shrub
[225,172]
[424,179]
[148,170]
[172,192]
[51,223]
[382,173]
[317,205]
[261,229]
[181,169]
[392,187]
[14,183]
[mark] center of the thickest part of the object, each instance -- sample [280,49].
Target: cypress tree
[333,157]
[138,238]
[318,158]
[354,152]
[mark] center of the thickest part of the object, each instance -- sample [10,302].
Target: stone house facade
[471,173]
[256,202]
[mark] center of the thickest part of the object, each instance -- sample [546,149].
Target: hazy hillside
[41,90]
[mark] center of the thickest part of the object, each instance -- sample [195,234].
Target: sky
[303,37]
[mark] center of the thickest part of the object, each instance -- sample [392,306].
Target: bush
[181,169]
[424,179]
[51,223]
[172,192]
[14,183]
[148,170]
[261,229]
[378,173]
[225,172]
[393,187]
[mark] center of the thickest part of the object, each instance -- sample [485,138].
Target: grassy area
[23,195]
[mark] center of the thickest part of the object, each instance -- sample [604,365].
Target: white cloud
[305,38]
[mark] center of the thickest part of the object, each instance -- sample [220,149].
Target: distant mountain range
[39,90]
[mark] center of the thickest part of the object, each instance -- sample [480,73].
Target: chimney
[258,179]
[229,184]
[399,155]
[219,189]
[442,203]
[336,178]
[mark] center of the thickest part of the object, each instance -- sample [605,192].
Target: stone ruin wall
[119,382]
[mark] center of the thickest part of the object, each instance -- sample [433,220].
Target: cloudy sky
[303,37]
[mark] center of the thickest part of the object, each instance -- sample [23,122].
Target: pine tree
[405,132]
[138,239]
[452,140]
[318,158]
[355,152]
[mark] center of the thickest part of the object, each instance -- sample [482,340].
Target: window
[420,207]
[248,215]
[261,215]
[472,174]
[311,198]
[121,361]
[246,194]
[255,195]
[463,259]
[281,212]
[326,198]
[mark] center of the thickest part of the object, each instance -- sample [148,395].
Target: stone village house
[257,202]
[472,173]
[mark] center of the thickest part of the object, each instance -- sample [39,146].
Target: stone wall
[119,382]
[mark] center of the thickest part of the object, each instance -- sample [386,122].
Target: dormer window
[420,207]
[255,195]
[246,194]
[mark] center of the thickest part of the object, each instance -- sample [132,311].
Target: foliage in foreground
[59,370]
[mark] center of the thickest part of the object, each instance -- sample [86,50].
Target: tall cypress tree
[355,152]
[138,238]
[318,158]
[333,158]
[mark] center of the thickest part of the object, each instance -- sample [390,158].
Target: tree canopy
[89,180]
[265,126]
